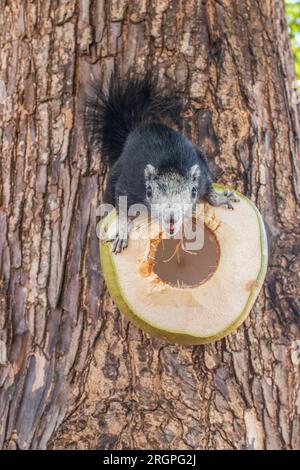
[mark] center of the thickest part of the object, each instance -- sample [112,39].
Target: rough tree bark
[74,373]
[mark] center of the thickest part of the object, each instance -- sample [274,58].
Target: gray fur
[172,193]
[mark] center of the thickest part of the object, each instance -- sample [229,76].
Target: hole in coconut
[181,268]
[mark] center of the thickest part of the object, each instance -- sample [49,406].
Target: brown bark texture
[75,374]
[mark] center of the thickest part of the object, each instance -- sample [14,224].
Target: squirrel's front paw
[226,198]
[229,198]
[120,242]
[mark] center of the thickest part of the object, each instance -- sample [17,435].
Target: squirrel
[148,162]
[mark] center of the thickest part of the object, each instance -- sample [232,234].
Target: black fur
[125,124]
[109,118]
[162,147]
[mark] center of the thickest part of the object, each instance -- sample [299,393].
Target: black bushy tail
[110,117]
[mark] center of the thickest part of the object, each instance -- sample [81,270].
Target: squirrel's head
[171,195]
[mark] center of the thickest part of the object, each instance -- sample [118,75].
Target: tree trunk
[74,373]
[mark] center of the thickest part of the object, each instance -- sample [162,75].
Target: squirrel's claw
[230,198]
[119,244]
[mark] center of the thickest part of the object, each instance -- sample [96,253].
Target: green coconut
[190,297]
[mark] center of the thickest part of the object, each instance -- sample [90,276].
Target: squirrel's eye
[194,192]
[148,191]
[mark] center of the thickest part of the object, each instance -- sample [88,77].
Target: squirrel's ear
[150,172]
[195,172]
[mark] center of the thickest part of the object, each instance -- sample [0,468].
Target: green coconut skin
[112,282]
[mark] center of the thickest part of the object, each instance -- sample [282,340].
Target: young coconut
[186,296]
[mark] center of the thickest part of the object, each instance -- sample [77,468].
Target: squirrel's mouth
[171,228]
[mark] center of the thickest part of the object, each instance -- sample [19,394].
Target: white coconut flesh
[185,297]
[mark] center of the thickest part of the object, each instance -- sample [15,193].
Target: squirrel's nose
[171,216]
